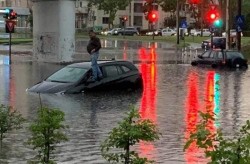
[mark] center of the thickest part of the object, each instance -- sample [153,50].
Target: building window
[138,7]
[138,21]
[105,20]
[77,4]
[80,4]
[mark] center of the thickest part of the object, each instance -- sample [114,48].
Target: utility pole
[227,25]
[239,32]
[177,22]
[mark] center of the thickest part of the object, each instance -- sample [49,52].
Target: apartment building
[92,17]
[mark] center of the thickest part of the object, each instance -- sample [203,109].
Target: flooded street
[172,96]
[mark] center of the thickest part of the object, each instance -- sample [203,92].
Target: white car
[233,33]
[205,32]
[168,32]
[111,32]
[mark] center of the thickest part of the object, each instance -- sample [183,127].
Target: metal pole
[227,25]
[10,46]
[177,22]
[239,33]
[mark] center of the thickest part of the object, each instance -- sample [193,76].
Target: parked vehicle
[205,32]
[218,42]
[168,32]
[233,33]
[128,31]
[113,31]
[156,33]
[77,78]
[218,58]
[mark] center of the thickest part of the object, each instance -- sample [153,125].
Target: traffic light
[194,1]
[153,16]
[212,15]
[13,15]
[124,18]
[7,13]
[218,23]
[10,14]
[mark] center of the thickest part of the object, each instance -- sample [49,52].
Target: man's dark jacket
[94,43]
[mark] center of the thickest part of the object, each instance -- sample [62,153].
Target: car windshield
[233,54]
[67,75]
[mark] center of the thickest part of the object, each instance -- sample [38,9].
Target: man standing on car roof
[93,48]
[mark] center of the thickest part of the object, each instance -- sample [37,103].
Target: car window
[220,55]
[112,71]
[125,69]
[67,75]
[234,54]
[206,54]
[212,54]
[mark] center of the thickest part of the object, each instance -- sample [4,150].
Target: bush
[46,133]
[218,148]
[129,132]
[9,119]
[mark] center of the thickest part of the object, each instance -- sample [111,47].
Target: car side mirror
[200,56]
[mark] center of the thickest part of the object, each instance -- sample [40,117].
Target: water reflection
[193,105]
[148,102]
[171,98]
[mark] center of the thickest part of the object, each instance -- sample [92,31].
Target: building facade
[87,17]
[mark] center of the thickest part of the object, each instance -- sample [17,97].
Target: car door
[204,60]
[211,59]
[112,77]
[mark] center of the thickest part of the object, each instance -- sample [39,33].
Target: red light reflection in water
[192,107]
[148,102]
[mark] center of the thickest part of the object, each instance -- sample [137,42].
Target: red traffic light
[124,18]
[194,1]
[212,15]
[12,15]
[153,16]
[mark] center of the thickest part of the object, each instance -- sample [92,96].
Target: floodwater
[172,96]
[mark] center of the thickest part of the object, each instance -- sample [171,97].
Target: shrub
[219,148]
[129,132]
[9,119]
[46,132]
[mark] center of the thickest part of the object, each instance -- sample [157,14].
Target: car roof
[100,62]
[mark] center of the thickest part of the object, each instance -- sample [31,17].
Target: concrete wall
[54,30]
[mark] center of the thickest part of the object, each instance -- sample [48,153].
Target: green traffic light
[218,23]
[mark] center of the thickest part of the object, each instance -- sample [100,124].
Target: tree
[110,7]
[218,148]
[169,5]
[129,132]
[9,119]
[46,132]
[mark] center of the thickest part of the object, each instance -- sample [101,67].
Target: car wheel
[238,63]
[194,63]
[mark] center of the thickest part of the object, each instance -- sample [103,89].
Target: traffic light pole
[239,32]
[10,47]
[177,22]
